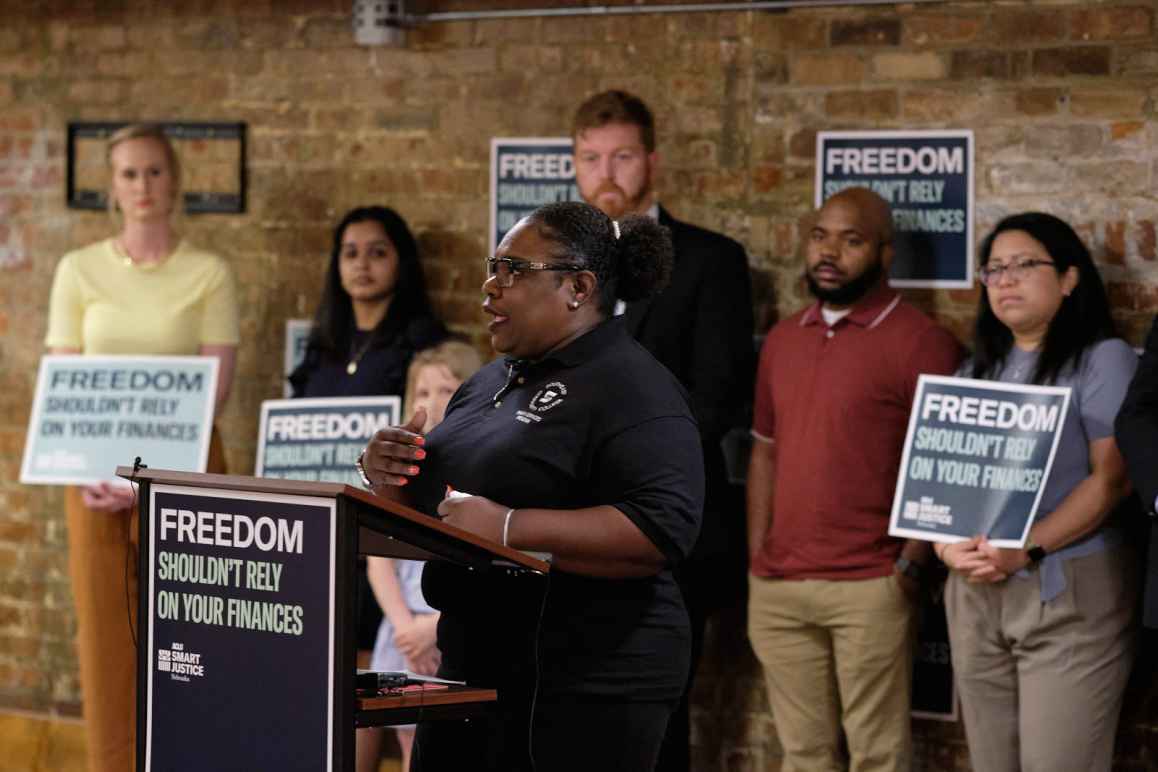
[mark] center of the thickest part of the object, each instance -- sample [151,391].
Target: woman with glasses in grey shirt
[1041,637]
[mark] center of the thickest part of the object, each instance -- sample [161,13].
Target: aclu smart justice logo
[180,664]
[928,511]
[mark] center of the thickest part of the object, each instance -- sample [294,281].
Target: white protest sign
[92,413]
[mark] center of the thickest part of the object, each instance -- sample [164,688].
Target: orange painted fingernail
[420,454]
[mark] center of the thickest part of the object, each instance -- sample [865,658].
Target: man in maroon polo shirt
[831,609]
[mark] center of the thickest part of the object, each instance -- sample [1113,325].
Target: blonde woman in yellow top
[145,292]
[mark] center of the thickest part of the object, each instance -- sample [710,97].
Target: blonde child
[406,637]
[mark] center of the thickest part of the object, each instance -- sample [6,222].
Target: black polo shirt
[599,422]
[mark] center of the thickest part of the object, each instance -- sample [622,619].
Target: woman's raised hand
[392,455]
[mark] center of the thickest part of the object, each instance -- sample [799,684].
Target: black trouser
[714,577]
[570,734]
[675,752]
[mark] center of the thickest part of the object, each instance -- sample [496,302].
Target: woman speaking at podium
[142,292]
[580,444]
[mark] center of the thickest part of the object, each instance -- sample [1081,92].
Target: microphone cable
[537,661]
[134,486]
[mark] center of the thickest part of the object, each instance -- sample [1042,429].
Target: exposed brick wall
[1061,95]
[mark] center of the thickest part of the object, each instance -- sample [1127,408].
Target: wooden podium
[247,604]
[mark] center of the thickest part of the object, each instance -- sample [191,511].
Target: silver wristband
[507,526]
[362,472]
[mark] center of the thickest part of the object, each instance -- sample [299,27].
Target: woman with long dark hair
[374,313]
[1041,637]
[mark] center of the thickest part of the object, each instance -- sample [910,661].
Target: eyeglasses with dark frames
[990,275]
[504,270]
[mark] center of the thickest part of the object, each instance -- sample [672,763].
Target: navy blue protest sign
[319,440]
[527,173]
[927,178]
[239,630]
[977,457]
[91,413]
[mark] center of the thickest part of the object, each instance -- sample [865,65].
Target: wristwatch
[1035,552]
[909,568]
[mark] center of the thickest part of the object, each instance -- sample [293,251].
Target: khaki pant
[1041,684]
[836,653]
[102,563]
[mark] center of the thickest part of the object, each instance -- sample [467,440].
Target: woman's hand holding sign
[1000,562]
[979,561]
[970,560]
[107,497]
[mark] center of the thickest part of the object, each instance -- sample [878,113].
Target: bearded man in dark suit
[700,328]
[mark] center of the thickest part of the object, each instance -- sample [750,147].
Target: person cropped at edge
[1136,429]
[580,444]
[699,327]
[1041,637]
[832,597]
[1136,426]
[144,291]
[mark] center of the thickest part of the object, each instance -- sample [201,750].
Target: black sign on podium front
[246,645]
[239,590]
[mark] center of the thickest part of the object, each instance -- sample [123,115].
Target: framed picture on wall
[212,165]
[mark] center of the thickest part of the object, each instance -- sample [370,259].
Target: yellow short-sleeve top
[100,305]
